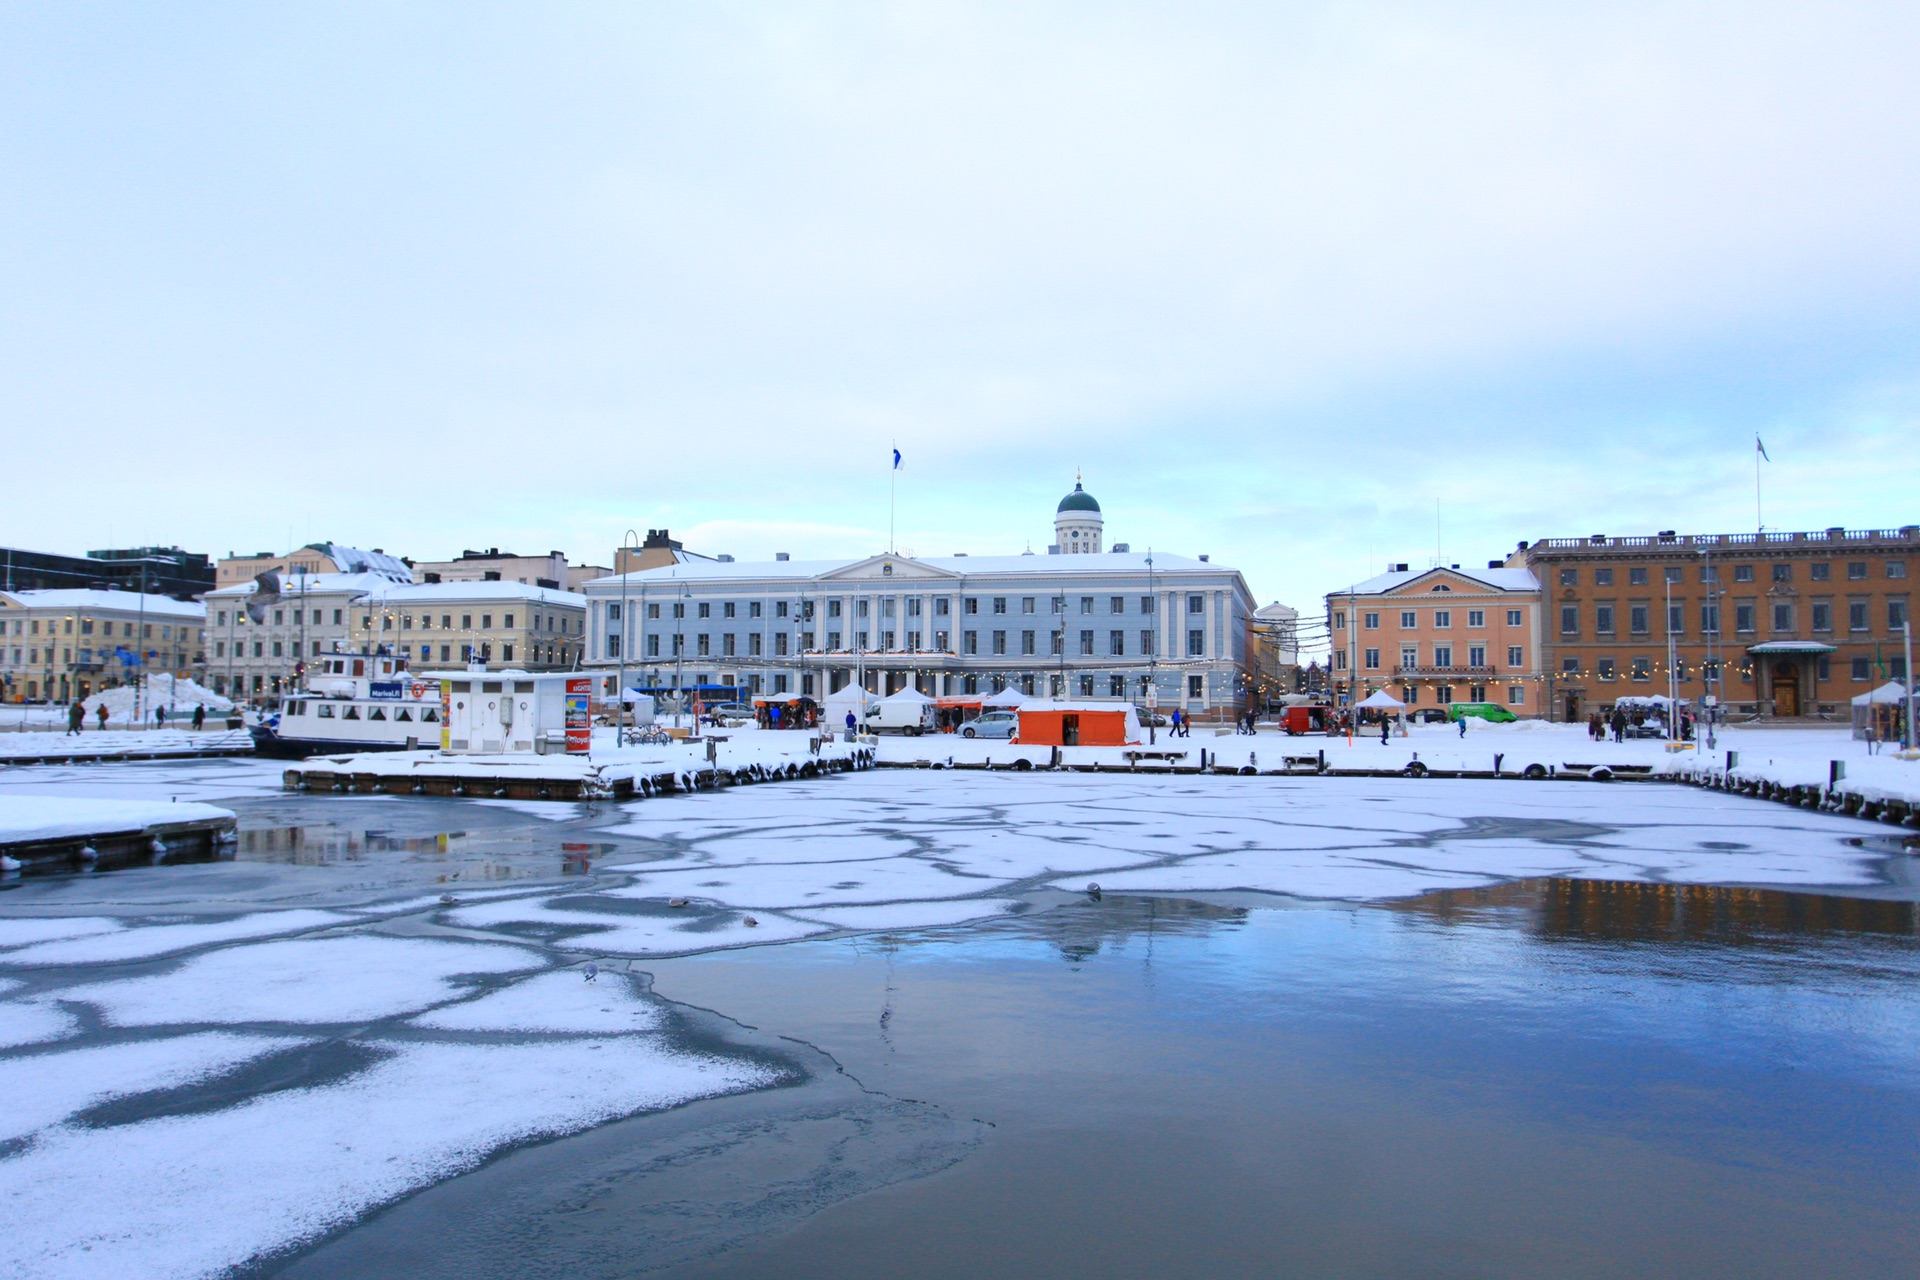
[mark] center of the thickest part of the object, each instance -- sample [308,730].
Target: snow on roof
[963,566]
[96,598]
[372,585]
[354,560]
[1499,579]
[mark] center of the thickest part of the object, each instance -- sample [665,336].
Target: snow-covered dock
[100,746]
[39,832]
[609,772]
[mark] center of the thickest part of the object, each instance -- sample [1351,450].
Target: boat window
[429,716]
[352,713]
[463,686]
[326,712]
[378,713]
[523,686]
[489,686]
[403,714]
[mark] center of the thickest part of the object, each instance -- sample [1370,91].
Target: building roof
[1079,500]
[429,592]
[157,606]
[957,566]
[354,560]
[316,584]
[1498,579]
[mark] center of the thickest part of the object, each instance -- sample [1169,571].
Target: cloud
[1278,278]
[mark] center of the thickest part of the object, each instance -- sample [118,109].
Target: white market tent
[835,706]
[1380,699]
[906,696]
[1880,710]
[1007,697]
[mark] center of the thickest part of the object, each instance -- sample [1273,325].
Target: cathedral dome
[1078,500]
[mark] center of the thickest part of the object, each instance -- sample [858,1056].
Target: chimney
[781,555]
[1493,564]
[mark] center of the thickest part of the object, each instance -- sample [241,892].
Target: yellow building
[63,645]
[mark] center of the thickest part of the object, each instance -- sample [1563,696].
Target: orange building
[1438,636]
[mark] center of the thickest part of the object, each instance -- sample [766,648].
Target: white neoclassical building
[1083,623]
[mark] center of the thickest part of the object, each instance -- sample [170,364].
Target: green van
[1489,711]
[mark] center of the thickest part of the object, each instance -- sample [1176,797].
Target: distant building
[1077,524]
[63,644]
[1779,624]
[184,575]
[315,557]
[658,551]
[506,624]
[1090,623]
[1276,634]
[1434,637]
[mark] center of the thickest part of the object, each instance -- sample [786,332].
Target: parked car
[1154,719]
[1491,712]
[992,724]
[732,712]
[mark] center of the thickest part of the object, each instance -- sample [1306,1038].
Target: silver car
[991,724]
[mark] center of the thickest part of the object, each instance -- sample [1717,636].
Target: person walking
[853,725]
[101,711]
[199,716]
[159,717]
[1463,726]
[1619,725]
[1385,728]
[76,717]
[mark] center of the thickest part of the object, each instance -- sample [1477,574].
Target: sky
[1310,288]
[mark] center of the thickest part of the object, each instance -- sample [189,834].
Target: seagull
[676,902]
[592,971]
[751,923]
[1093,890]
[448,899]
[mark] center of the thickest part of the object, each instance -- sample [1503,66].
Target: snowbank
[175,693]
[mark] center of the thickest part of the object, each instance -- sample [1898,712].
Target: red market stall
[1078,724]
[951,713]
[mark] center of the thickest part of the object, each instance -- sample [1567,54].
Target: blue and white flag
[1756,444]
[896,459]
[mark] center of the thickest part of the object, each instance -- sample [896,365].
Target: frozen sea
[877,1024]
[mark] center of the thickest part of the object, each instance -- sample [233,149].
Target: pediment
[888,567]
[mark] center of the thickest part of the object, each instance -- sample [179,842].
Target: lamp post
[1906,628]
[680,652]
[620,650]
[1153,653]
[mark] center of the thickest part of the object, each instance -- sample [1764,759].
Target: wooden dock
[155,844]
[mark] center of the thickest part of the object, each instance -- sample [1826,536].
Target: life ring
[419,690]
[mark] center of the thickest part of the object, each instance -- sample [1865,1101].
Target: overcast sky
[1311,288]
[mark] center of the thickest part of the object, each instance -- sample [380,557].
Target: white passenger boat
[354,702]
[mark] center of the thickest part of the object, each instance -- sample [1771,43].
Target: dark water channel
[1545,1079]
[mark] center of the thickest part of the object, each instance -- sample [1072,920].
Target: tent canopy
[1891,691]
[1007,697]
[906,695]
[1380,698]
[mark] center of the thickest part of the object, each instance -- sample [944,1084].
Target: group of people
[77,717]
[1600,727]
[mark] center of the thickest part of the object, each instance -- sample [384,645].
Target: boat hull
[267,742]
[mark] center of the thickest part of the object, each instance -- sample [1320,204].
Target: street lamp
[620,651]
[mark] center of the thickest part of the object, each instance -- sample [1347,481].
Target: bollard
[1498,756]
[1836,774]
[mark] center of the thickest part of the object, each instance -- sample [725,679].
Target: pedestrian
[852,725]
[101,711]
[199,716]
[773,715]
[159,717]
[76,717]
[1463,726]
[1619,725]
[1384,729]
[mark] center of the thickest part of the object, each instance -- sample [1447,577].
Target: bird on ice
[592,971]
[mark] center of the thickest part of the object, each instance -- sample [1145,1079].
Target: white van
[910,718]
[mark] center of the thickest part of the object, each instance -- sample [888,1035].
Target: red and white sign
[579,720]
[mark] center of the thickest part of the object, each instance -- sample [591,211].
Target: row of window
[1442,619]
[907,606]
[1818,571]
[555,623]
[352,711]
[1443,656]
[1643,669]
[1746,614]
[31,627]
[1443,694]
[37,657]
[862,641]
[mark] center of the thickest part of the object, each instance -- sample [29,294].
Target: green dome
[1078,500]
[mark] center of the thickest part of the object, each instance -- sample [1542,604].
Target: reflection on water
[1621,911]
[468,855]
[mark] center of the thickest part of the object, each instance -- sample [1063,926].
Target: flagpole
[1760,524]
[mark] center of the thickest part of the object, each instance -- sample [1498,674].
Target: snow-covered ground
[1787,756]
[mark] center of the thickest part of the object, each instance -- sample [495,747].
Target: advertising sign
[579,722]
[446,715]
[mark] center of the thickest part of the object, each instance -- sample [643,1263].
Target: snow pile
[175,693]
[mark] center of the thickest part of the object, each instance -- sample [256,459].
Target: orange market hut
[1078,724]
